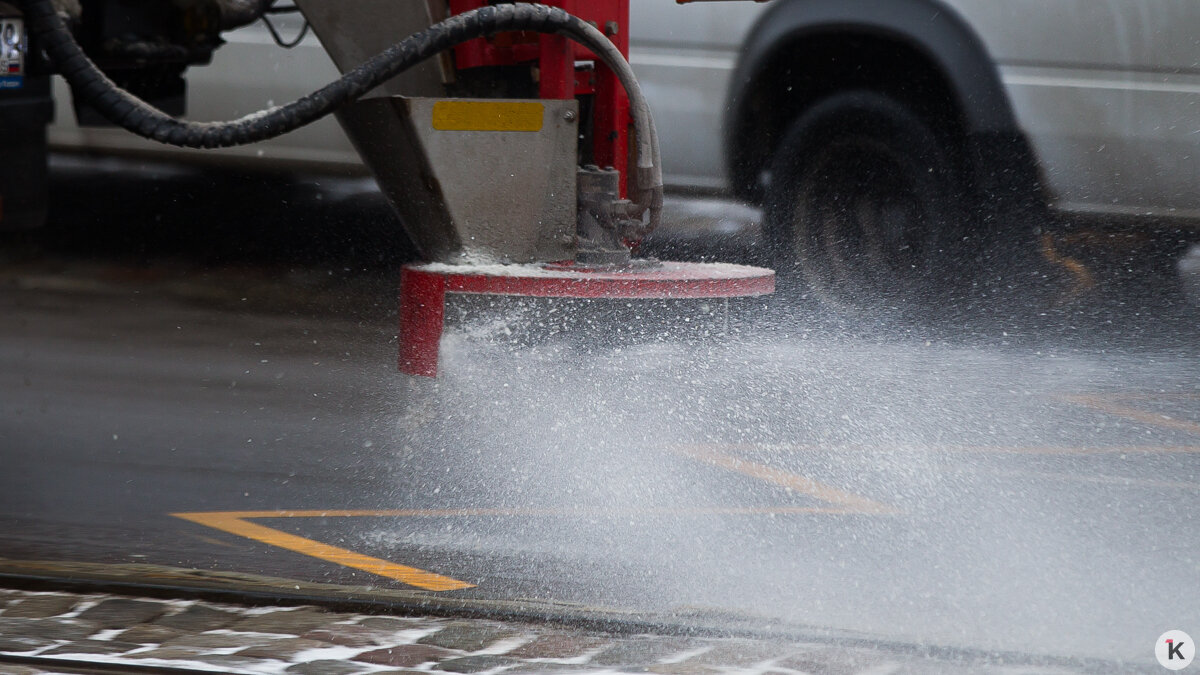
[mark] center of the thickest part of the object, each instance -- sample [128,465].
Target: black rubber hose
[128,111]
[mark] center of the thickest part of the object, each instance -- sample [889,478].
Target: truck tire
[865,207]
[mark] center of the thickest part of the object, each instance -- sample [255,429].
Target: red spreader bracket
[423,290]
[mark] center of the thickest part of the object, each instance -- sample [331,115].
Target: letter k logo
[1175,650]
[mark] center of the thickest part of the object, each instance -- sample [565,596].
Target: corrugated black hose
[128,111]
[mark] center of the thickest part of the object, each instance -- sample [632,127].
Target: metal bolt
[610,28]
[569,115]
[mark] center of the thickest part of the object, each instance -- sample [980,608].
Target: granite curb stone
[169,653]
[349,636]
[22,644]
[49,629]
[643,651]
[282,650]
[19,670]
[289,621]
[326,667]
[92,647]
[198,618]
[476,664]
[405,656]
[468,636]
[561,646]
[39,607]
[222,640]
[396,623]
[118,612]
[192,635]
[148,633]
[233,661]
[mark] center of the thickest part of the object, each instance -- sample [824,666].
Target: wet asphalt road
[1024,485]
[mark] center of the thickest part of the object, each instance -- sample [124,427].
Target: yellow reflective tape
[488,115]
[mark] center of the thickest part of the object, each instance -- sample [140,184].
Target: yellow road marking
[1099,480]
[216,542]
[236,523]
[1110,406]
[1083,279]
[850,503]
[1076,450]
[1158,396]
[964,449]
[540,512]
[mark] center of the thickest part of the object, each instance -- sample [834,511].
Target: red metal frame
[423,290]
[558,78]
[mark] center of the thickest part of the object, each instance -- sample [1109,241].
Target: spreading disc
[423,290]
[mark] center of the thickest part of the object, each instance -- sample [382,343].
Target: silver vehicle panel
[1108,93]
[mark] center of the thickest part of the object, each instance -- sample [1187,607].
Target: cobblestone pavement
[147,634]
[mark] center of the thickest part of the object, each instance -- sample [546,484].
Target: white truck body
[1107,93]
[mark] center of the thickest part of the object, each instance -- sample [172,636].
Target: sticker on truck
[12,53]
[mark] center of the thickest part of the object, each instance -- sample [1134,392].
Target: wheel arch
[909,39]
